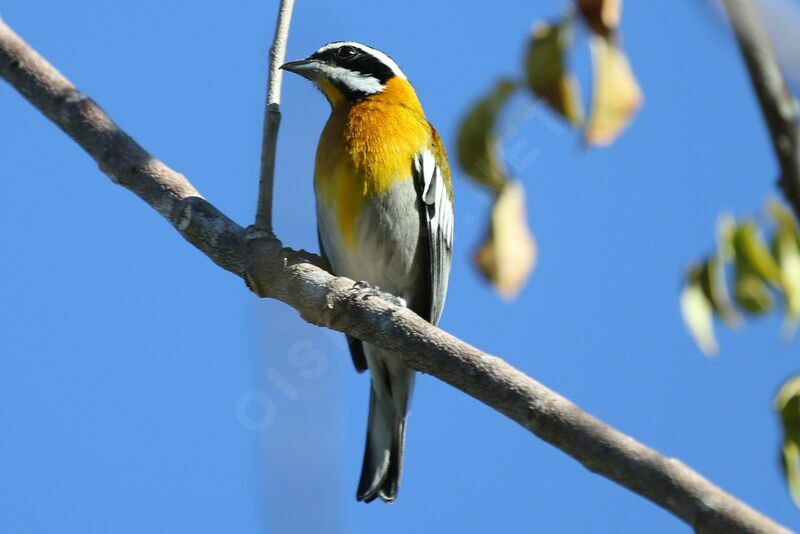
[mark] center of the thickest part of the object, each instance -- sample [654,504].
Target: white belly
[385,249]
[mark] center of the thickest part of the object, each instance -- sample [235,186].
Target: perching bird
[384,217]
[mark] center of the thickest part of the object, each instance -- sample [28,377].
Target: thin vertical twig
[779,107]
[272,117]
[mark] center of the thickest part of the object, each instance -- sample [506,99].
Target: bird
[384,204]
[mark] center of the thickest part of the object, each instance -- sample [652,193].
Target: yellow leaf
[616,96]
[478,149]
[602,16]
[546,71]
[697,311]
[508,253]
[786,247]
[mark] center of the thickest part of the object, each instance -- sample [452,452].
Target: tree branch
[272,117]
[331,302]
[779,107]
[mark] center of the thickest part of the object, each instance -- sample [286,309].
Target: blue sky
[145,390]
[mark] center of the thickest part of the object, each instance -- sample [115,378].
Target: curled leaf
[726,230]
[717,280]
[786,247]
[754,268]
[479,151]
[698,311]
[715,286]
[602,16]
[616,96]
[752,251]
[546,71]
[791,468]
[508,253]
[750,291]
[787,404]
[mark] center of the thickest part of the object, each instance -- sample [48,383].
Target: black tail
[383,454]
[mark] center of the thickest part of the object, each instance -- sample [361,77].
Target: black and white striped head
[349,70]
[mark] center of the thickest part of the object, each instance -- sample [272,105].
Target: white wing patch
[439,217]
[434,194]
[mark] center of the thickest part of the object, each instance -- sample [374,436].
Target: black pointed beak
[307,68]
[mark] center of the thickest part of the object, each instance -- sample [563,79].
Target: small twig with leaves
[760,268]
[507,256]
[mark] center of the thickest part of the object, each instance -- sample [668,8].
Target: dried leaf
[787,404]
[479,151]
[546,70]
[602,16]
[508,253]
[786,248]
[698,312]
[616,96]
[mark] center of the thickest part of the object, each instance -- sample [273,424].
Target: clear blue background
[143,389]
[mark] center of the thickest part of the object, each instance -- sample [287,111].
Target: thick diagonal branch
[329,301]
[779,107]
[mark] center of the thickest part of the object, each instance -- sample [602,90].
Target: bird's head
[346,71]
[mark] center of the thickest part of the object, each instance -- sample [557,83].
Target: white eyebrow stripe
[377,54]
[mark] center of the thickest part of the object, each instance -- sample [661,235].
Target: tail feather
[390,393]
[389,489]
[383,453]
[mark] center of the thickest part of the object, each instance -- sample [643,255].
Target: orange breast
[365,147]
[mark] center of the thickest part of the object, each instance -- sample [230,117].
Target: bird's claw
[364,290]
[292,257]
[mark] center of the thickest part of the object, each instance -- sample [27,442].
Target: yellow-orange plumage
[366,146]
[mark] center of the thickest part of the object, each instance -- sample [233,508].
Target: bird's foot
[292,257]
[365,290]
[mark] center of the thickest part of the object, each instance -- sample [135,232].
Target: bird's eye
[346,52]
